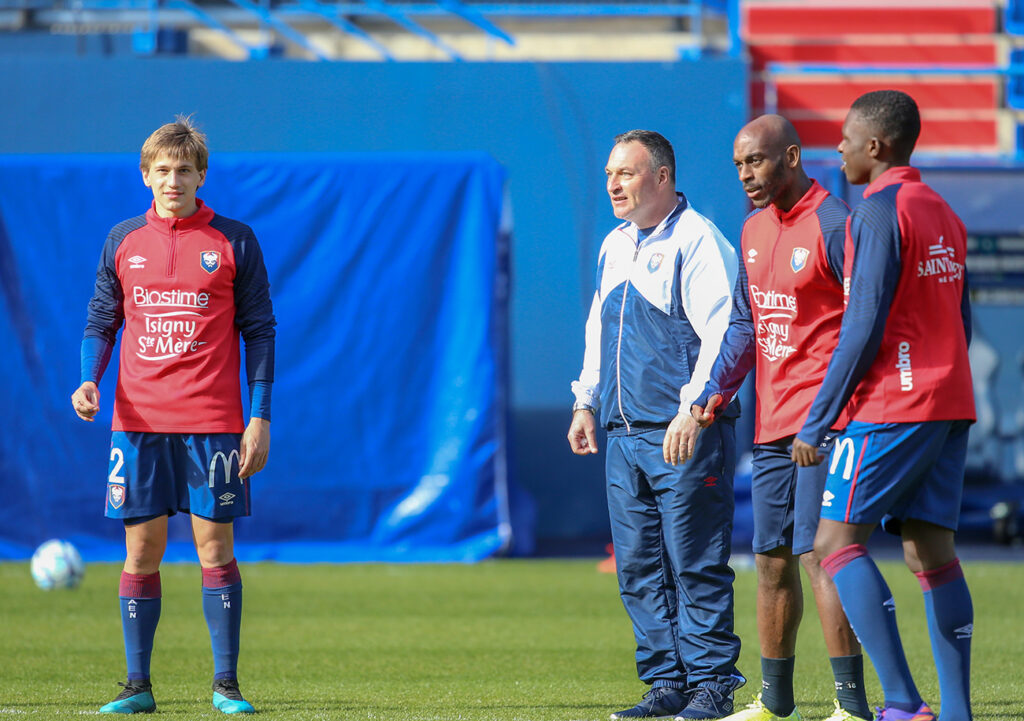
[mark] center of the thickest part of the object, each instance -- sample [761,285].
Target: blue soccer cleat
[659,703]
[135,697]
[228,699]
[706,703]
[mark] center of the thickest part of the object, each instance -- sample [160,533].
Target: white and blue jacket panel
[657,319]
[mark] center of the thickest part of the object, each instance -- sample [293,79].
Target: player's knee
[144,556]
[776,569]
[215,552]
[811,562]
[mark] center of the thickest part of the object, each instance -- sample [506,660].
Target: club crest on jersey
[799,259]
[210,260]
[655,262]
[116,493]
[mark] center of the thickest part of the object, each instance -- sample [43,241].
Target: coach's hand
[804,454]
[680,438]
[86,401]
[255,447]
[583,433]
[706,416]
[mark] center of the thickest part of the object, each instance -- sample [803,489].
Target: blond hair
[181,140]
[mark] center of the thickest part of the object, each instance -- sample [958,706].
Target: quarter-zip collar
[808,203]
[164,226]
[892,176]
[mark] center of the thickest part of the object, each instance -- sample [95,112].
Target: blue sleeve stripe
[832,215]
[106,307]
[874,227]
[259,400]
[737,354]
[254,312]
[95,357]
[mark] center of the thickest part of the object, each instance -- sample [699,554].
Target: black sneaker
[659,702]
[706,703]
[228,699]
[135,697]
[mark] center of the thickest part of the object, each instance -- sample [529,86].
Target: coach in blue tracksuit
[663,299]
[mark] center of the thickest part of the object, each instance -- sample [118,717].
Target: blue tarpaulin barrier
[389,279]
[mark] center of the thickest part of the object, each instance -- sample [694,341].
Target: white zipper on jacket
[618,345]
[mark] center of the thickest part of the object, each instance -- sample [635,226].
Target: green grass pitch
[504,641]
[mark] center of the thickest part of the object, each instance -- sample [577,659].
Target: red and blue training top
[184,288]
[902,352]
[788,311]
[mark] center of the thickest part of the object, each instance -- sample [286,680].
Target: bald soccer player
[789,306]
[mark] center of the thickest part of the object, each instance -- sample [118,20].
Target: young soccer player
[184,282]
[901,363]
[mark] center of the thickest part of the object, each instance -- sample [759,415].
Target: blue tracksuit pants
[672,529]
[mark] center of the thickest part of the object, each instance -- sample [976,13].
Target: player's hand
[804,454]
[86,401]
[680,438]
[706,416]
[583,433]
[255,447]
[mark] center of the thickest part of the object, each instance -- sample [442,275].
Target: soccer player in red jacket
[785,320]
[184,282]
[901,372]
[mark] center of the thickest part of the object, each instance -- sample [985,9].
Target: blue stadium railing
[152,19]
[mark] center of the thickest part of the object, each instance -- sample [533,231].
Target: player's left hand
[804,454]
[255,447]
[680,438]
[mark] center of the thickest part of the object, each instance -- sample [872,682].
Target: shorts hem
[770,545]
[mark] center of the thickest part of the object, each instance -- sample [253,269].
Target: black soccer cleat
[228,699]
[136,697]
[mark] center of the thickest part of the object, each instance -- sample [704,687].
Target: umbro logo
[137,261]
[964,631]
[751,255]
[826,499]
[890,604]
[226,499]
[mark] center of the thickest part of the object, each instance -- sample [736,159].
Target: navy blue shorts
[158,474]
[786,497]
[890,472]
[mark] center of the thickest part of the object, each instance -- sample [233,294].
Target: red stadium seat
[959,111]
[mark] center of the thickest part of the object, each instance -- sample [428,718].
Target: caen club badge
[116,493]
[209,260]
[799,259]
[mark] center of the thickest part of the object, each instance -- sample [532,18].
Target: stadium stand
[814,58]
[808,58]
[418,30]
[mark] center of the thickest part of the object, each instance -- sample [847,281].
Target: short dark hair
[656,144]
[894,115]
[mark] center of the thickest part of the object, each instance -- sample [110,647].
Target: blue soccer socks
[140,613]
[222,607]
[950,613]
[870,608]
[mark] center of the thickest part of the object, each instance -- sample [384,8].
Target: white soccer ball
[57,564]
